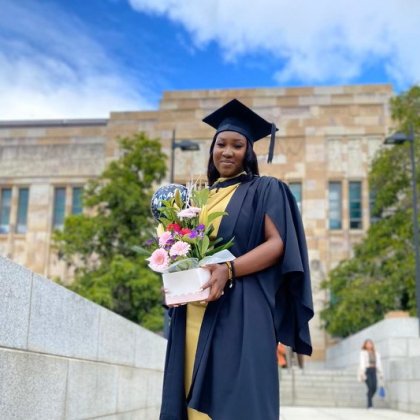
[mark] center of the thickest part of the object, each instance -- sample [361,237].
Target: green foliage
[99,243]
[380,276]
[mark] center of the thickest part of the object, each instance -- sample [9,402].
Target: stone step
[323,389]
[328,376]
[324,395]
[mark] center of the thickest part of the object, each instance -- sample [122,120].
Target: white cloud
[316,41]
[50,67]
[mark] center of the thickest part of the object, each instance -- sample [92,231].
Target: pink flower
[159,260]
[189,213]
[164,238]
[179,248]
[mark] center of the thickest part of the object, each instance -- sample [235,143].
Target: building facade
[326,140]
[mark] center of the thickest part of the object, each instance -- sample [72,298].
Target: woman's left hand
[219,275]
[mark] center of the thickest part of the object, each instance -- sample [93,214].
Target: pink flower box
[184,286]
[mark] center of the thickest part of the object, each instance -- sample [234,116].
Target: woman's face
[229,153]
[369,345]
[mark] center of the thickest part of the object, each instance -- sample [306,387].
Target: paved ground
[319,413]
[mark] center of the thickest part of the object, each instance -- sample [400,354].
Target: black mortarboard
[235,116]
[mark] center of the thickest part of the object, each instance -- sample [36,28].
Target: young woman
[370,368]
[221,357]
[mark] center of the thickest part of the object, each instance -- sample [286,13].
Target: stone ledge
[15,296]
[62,356]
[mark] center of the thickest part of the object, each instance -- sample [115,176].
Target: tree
[98,244]
[380,277]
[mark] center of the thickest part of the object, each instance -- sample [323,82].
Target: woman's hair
[250,163]
[368,341]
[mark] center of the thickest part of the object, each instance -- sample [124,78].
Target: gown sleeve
[293,301]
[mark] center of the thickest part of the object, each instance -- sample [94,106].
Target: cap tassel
[272,143]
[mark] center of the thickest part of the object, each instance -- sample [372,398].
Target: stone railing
[64,357]
[398,342]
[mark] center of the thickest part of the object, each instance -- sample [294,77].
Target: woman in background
[370,368]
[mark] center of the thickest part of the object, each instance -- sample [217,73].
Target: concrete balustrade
[394,338]
[64,357]
[398,342]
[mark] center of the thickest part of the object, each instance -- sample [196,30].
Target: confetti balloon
[166,193]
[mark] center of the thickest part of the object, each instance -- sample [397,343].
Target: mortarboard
[235,116]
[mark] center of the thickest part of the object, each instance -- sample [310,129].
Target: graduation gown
[235,372]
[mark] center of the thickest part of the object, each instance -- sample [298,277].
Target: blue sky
[85,58]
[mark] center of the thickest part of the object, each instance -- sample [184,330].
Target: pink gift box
[184,286]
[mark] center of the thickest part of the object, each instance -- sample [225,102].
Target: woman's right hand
[219,275]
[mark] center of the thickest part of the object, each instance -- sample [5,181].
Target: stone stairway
[323,388]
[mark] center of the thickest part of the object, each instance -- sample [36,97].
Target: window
[22,211]
[77,203]
[59,207]
[5,205]
[334,202]
[355,204]
[296,188]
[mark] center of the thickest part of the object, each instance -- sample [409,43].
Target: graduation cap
[235,116]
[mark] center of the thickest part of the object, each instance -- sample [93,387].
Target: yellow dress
[218,201]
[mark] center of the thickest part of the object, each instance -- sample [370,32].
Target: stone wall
[404,385]
[398,342]
[64,357]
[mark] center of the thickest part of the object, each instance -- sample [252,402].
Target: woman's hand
[219,275]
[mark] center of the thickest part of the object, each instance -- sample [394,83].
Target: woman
[370,368]
[221,357]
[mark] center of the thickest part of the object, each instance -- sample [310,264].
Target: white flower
[189,213]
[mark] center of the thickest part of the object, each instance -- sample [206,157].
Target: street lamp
[400,138]
[185,146]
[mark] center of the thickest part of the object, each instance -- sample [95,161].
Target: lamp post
[400,138]
[185,146]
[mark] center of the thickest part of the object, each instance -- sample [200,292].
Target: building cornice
[91,122]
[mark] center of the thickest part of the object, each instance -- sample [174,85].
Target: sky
[86,58]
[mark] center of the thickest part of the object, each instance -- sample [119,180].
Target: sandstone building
[327,137]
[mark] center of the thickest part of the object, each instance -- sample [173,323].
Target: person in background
[370,369]
[281,355]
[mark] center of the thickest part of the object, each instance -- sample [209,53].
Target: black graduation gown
[235,372]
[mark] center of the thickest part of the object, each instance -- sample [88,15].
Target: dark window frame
[58,218]
[77,208]
[355,205]
[337,223]
[5,225]
[22,217]
[300,185]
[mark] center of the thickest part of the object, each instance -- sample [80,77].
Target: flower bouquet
[183,244]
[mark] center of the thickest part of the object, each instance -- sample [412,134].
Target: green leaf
[178,199]
[213,216]
[141,251]
[205,242]
[221,247]
[200,197]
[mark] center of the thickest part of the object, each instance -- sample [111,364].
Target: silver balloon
[166,193]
